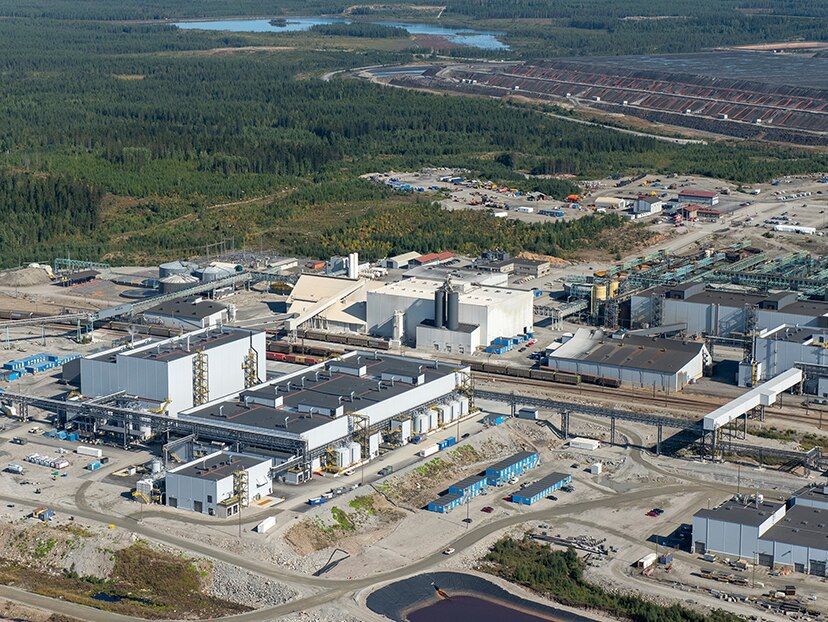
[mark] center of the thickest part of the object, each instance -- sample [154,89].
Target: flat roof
[632,351]
[708,194]
[817,493]
[217,467]
[474,295]
[529,262]
[801,526]
[468,482]
[188,308]
[185,345]
[813,308]
[446,499]
[514,459]
[319,387]
[461,328]
[795,334]
[732,511]
[542,485]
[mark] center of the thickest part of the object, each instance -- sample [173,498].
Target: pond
[482,39]
[472,609]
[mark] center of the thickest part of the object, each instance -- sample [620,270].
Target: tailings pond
[459,597]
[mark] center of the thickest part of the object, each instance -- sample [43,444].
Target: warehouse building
[645,205]
[781,348]
[332,414]
[531,494]
[514,466]
[772,534]
[188,313]
[457,316]
[468,273]
[699,197]
[219,484]
[722,313]
[401,261]
[534,268]
[431,258]
[177,373]
[666,364]
[611,203]
[328,303]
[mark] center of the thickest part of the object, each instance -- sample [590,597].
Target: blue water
[484,40]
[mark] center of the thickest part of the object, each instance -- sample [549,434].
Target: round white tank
[157,466]
[174,267]
[176,282]
[214,273]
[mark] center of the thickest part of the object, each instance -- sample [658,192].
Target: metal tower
[201,386]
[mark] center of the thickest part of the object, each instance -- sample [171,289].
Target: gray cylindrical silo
[453,315]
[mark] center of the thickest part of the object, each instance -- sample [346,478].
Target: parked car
[651,513]
[488,509]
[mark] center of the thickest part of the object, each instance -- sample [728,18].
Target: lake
[472,609]
[481,39]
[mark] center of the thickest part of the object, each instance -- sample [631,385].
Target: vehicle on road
[652,514]
[448,551]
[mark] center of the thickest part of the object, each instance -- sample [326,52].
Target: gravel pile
[247,588]
[24,277]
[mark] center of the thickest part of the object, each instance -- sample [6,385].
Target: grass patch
[342,519]
[144,582]
[364,503]
[807,440]
[43,547]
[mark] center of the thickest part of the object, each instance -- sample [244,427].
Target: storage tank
[156,466]
[343,457]
[613,287]
[439,307]
[373,445]
[455,410]
[453,313]
[420,424]
[356,452]
[214,273]
[464,406]
[176,267]
[599,291]
[445,414]
[176,283]
[433,418]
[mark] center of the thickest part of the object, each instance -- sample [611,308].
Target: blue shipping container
[93,466]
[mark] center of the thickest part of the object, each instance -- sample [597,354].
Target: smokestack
[452,319]
[439,307]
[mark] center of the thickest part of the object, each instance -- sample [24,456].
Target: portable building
[584,443]
[501,472]
[469,487]
[445,504]
[541,489]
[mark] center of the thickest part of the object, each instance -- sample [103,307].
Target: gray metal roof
[186,345]
[633,351]
[461,328]
[505,464]
[468,482]
[801,526]
[815,493]
[445,499]
[218,467]
[187,308]
[542,485]
[323,389]
[732,511]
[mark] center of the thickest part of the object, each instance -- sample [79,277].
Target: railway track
[702,406]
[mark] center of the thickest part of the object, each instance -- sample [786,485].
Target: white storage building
[495,311]
[188,313]
[177,373]
[215,485]
[722,313]
[316,412]
[639,361]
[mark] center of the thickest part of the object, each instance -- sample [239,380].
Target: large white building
[666,364]
[219,484]
[783,347]
[771,533]
[188,313]
[722,313]
[397,310]
[315,416]
[178,373]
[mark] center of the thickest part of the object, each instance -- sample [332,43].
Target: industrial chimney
[439,307]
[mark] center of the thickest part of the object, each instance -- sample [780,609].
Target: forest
[559,574]
[357,29]
[163,140]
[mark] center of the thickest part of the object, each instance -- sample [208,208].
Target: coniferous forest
[134,141]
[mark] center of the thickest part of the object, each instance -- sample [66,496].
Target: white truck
[86,450]
[428,451]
